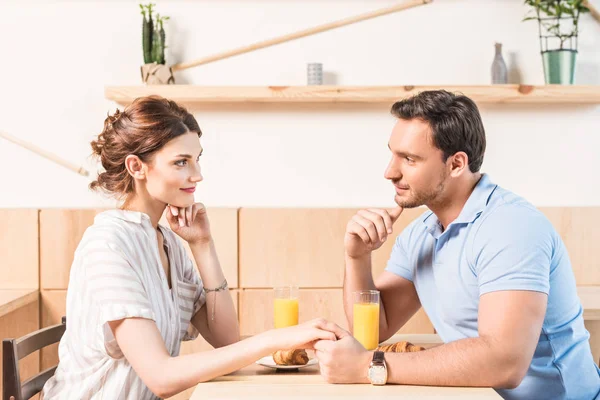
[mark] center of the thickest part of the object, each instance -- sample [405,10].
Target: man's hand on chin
[343,361]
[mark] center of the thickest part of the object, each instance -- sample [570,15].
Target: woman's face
[174,171]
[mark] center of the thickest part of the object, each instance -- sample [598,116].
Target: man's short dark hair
[454,120]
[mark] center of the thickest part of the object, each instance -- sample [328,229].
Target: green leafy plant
[153,35]
[549,14]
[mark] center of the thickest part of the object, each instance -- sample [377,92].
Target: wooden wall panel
[256,310]
[578,227]
[224,228]
[304,247]
[52,309]
[419,323]
[60,233]
[19,323]
[19,249]
[594,328]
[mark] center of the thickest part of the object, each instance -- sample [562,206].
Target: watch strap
[378,357]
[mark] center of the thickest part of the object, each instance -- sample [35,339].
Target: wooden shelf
[192,95]
[13,299]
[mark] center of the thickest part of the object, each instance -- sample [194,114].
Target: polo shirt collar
[477,201]
[474,206]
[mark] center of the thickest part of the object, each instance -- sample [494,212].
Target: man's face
[417,168]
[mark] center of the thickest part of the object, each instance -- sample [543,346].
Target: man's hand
[368,230]
[344,360]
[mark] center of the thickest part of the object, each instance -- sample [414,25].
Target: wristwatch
[378,370]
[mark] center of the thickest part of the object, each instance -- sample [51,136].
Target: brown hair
[143,128]
[454,120]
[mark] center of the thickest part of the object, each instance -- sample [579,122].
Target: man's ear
[135,167]
[459,163]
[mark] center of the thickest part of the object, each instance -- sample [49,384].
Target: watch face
[378,375]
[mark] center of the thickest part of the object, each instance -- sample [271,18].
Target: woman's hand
[190,223]
[303,336]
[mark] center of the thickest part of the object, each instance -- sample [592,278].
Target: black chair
[15,349]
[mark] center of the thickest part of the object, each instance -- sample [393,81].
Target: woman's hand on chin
[190,223]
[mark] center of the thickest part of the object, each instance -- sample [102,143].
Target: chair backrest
[15,349]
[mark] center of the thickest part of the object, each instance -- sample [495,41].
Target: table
[258,382]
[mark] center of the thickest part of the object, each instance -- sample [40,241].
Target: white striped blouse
[117,273]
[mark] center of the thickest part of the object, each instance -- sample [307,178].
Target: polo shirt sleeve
[512,250]
[399,261]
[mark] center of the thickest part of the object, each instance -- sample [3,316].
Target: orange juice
[366,324]
[286,312]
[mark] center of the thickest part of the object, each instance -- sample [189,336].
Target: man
[488,268]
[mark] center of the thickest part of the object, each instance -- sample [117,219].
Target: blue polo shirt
[501,242]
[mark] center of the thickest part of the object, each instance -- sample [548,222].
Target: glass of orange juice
[286,306]
[366,318]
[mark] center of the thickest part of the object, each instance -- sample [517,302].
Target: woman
[134,294]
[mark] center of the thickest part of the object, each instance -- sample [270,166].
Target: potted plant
[154,70]
[558,23]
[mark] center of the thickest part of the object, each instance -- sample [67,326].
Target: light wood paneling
[578,227]
[60,233]
[224,229]
[590,300]
[18,323]
[196,346]
[593,328]
[303,247]
[419,323]
[53,308]
[19,249]
[256,310]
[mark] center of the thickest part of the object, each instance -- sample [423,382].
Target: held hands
[344,360]
[368,230]
[190,223]
[303,336]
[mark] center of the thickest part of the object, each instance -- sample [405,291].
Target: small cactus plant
[153,35]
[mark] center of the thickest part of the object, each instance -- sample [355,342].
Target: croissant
[290,357]
[400,347]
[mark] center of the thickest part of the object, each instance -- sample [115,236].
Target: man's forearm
[466,362]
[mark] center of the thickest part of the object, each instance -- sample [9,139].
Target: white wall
[57,56]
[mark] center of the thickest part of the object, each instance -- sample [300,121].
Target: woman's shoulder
[112,228]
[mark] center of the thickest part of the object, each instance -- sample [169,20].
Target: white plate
[270,363]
